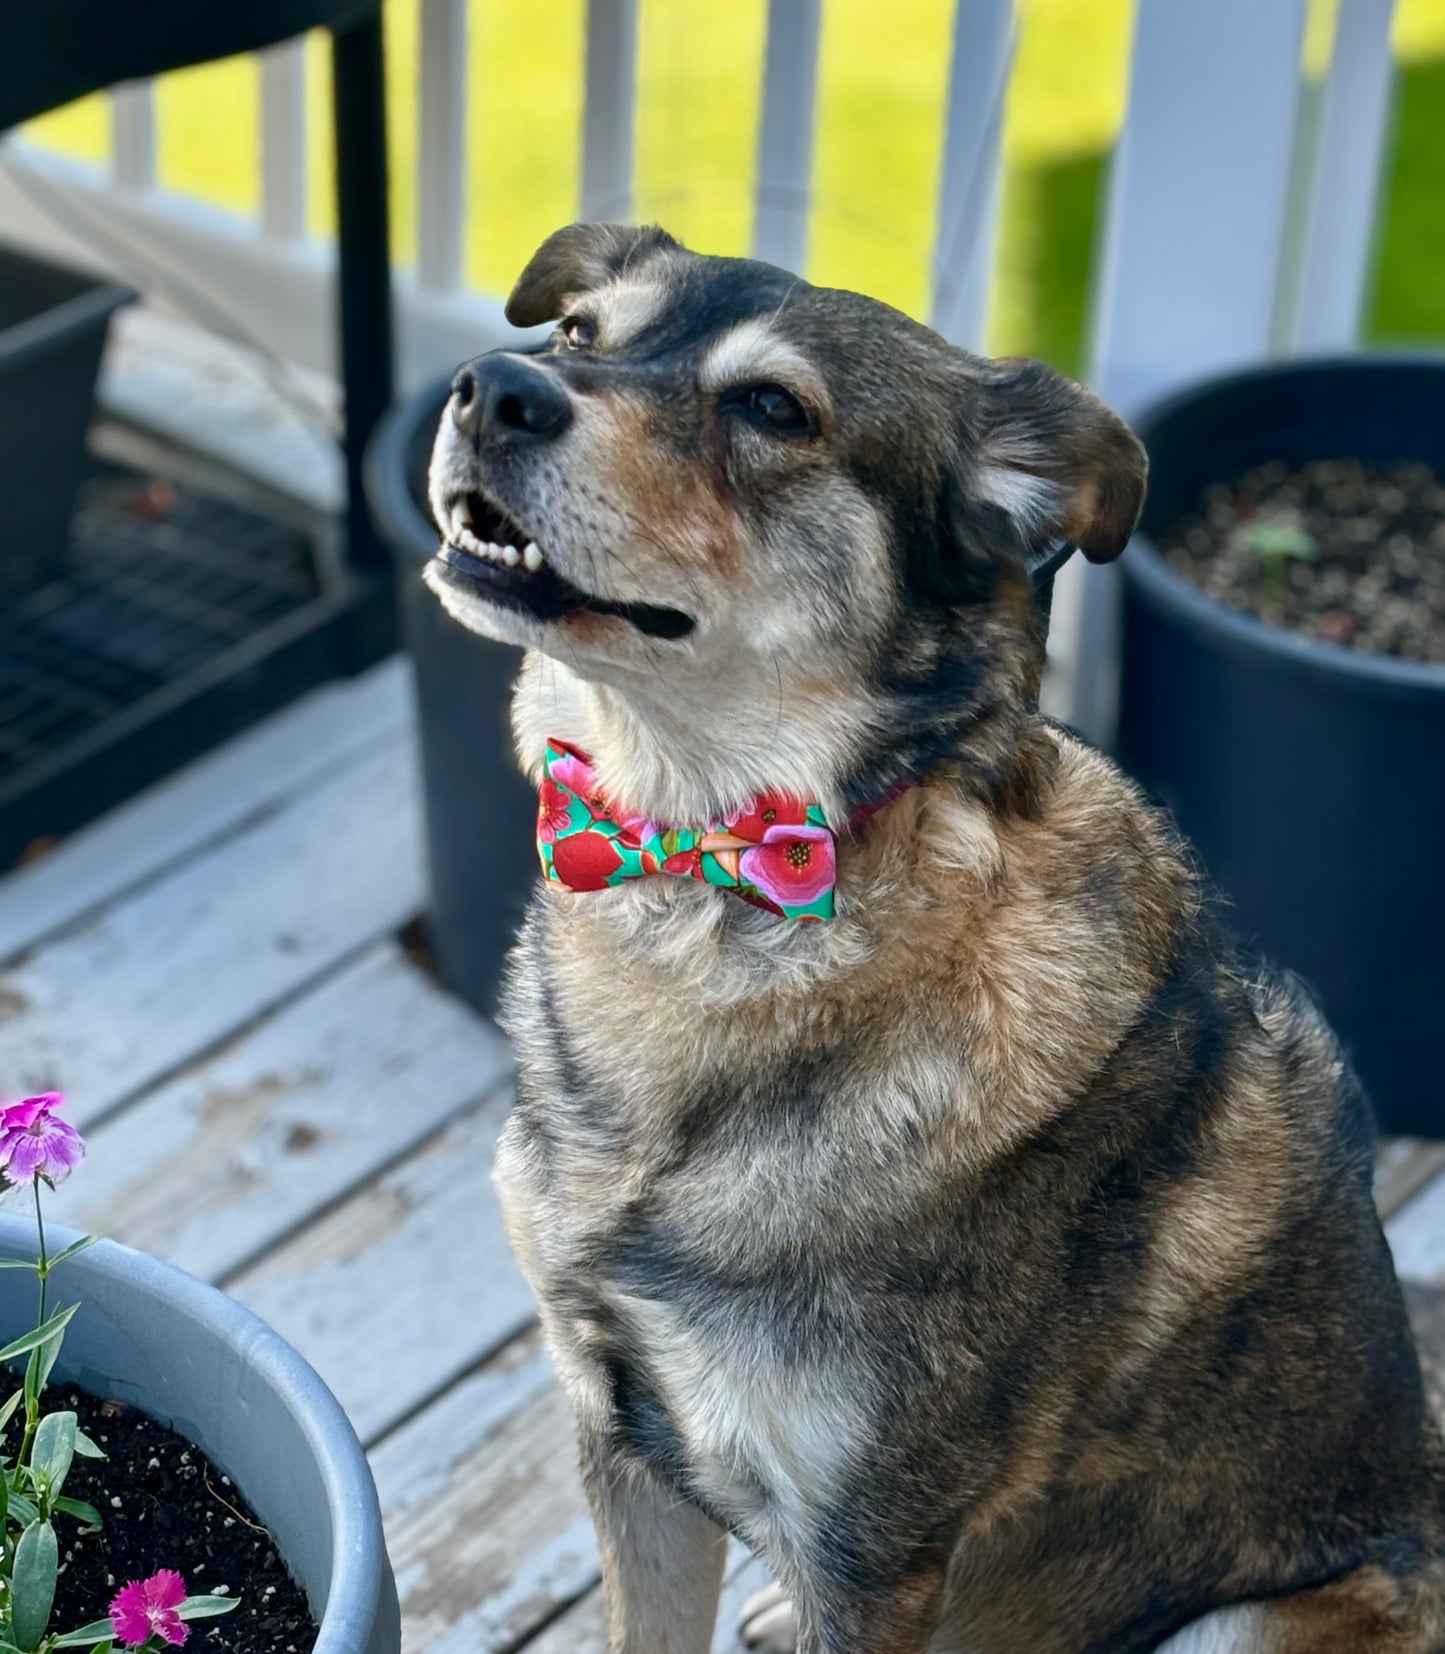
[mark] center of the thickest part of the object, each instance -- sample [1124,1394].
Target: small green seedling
[1277,542]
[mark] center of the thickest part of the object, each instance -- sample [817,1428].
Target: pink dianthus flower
[34,1143]
[147,1608]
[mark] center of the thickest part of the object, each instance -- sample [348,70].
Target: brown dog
[997,1260]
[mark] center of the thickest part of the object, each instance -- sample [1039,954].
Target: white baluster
[283,140]
[1338,240]
[1198,193]
[442,148]
[983,48]
[133,134]
[1193,237]
[607,127]
[785,146]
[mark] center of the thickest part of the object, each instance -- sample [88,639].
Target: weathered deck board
[482,1563]
[1403,1167]
[215,796]
[406,1285]
[418,1462]
[229,1158]
[1417,1235]
[151,983]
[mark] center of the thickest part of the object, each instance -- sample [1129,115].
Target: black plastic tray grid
[160,581]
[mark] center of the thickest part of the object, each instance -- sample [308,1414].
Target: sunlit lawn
[882,88]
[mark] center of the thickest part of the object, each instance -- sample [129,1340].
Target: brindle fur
[999,1261]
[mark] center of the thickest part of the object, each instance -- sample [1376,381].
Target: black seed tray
[177,620]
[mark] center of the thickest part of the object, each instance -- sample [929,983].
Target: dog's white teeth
[530,555]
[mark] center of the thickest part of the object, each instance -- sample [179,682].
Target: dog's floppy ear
[575,259]
[1050,454]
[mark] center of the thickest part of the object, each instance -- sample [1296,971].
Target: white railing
[1213,171]
[283,141]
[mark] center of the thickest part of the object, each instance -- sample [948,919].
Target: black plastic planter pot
[52,330]
[480,812]
[1310,777]
[199,1363]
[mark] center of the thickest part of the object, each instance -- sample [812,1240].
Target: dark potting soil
[1347,551]
[166,1506]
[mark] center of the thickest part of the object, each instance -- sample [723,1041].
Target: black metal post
[365,272]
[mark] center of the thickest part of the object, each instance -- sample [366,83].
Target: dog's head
[721,495]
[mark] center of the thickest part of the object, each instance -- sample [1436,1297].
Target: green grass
[882,86]
[1409,300]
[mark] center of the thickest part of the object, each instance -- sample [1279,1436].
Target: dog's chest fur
[680,1175]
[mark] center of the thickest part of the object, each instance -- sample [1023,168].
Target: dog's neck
[718,950]
[662,754]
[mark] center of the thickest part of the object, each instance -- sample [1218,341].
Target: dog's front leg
[853,1616]
[662,1559]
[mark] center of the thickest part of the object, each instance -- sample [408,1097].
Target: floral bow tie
[778,855]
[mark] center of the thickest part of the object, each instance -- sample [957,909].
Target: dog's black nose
[504,398]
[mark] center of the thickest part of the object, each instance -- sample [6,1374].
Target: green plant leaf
[53,1449]
[1278,538]
[74,1247]
[92,1633]
[42,1359]
[21,1508]
[17,1263]
[87,1448]
[82,1512]
[32,1586]
[7,1412]
[204,1608]
[47,1330]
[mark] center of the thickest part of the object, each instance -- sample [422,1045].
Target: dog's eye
[578,333]
[773,407]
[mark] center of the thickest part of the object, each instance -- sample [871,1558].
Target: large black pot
[1310,777]
[480,814]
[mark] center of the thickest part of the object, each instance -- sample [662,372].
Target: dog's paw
[767,1622]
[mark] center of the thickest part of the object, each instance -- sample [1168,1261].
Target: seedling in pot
[1277,542]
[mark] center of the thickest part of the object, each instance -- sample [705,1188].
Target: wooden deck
[280,1101]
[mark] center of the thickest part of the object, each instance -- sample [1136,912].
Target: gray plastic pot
[196,1361]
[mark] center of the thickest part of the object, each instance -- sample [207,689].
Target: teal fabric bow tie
[779,854]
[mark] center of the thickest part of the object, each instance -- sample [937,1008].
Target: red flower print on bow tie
[771,810]
[793,865]
[576,773]
[554,811]
[585,861]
